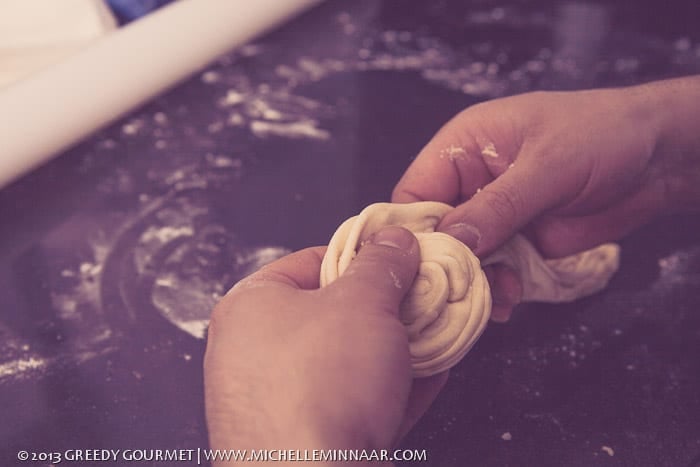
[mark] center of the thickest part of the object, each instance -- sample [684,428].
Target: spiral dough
[449,304]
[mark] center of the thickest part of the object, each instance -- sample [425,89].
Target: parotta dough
[449,303]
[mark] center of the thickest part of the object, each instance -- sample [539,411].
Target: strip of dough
[449,304]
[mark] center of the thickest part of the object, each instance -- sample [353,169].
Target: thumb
[382,272]
[503,207]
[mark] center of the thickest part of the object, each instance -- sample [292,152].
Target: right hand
[571,170]
[289,365]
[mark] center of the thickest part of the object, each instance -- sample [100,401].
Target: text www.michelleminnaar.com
[320,455]
[204,456]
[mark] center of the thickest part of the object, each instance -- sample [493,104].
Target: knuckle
[218,315]
[222,313]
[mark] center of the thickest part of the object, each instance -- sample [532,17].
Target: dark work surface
[112,255]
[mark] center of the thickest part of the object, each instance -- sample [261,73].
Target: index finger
[299,270]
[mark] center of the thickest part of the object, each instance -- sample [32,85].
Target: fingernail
[466,233]
[394,237]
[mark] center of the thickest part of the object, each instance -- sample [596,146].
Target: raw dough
[449,303]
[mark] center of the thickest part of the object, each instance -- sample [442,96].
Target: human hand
[570,169]
[291,366]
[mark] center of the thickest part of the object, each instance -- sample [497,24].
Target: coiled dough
[449,303]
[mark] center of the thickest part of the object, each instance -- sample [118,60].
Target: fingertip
[501,314]
[506,291]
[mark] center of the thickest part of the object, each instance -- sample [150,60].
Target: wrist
[287,440]
[673,114]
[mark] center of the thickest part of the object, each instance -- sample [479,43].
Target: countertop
[112,255]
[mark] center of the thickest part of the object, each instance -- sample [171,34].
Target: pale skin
[292,366]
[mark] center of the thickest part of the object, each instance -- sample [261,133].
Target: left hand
[292,366]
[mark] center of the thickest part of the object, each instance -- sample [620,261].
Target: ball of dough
[449,303]
[447,307]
